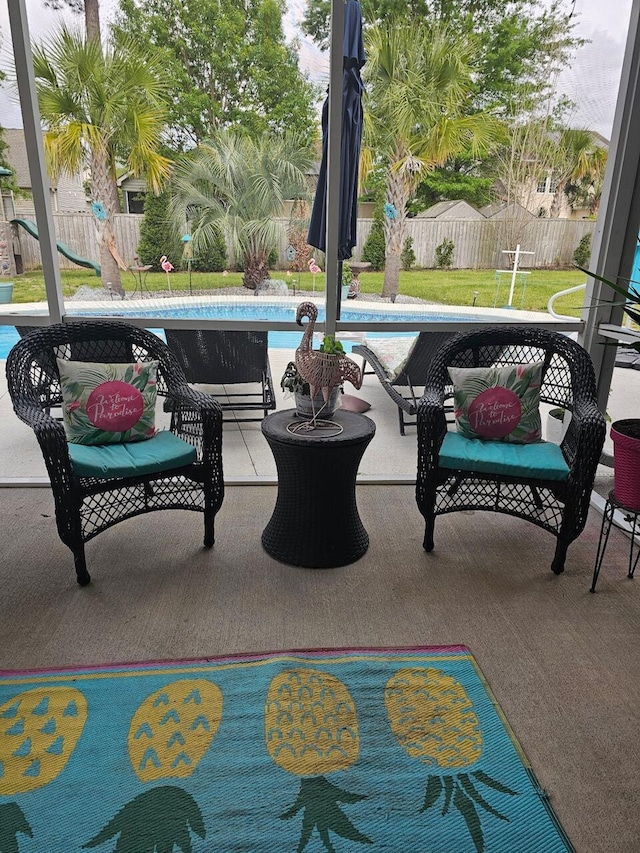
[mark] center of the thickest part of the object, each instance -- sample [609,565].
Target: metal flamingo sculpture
[323,371]
[167,266]
[314,269]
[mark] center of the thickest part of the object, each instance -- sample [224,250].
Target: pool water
[257,311]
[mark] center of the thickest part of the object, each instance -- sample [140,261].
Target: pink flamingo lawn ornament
[314,269]
[167,266]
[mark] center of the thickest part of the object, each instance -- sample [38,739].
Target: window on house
[553,185]
[542,186]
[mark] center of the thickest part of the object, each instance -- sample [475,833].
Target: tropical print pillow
[108,403]
[498,403]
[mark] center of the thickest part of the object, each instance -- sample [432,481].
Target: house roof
[499,210]
[442,207]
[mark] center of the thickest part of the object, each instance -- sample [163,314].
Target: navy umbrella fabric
[352,90]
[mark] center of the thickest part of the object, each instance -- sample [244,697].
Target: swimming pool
[274,312]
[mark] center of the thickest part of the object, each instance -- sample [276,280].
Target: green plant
[444,253]
[583,251]
[331,346]
[374,247]
[347,275]
[408,256]
[157,237]
[211,258]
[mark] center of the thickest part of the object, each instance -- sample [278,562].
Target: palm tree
[237,185]
[101,106]
[579,162]
[418,81]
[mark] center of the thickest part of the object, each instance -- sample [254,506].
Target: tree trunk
[102,193]
[556,201]
[255,271]
[398,191]
[92,18]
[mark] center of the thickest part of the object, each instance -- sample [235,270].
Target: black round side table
[315,523]
[631,515]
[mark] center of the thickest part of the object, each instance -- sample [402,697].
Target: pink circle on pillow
[495,413]
[115,406]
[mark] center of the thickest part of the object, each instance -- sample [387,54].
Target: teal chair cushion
[164,451]
[541,460]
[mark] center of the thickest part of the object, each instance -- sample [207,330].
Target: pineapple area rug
[398,750]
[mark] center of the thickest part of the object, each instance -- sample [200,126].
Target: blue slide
[31,228]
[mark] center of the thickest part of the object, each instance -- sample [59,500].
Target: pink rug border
[328,652]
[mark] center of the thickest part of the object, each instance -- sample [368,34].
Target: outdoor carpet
[400,750]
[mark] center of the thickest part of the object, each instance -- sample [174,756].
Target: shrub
[583,251]
[408,256]
[213,258]
[374,247]
[444,253]
[157,237]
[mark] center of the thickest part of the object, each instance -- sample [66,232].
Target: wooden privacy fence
[478,244]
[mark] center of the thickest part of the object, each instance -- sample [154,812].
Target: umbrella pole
[339,290]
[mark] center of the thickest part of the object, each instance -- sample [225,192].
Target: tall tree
[89,8]
[578,161]
[107,104]
[512,37]
[417,81]
[226,63]
[236,185]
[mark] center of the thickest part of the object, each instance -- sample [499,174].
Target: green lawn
[456,287]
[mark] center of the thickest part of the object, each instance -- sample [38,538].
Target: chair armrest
[197,418]
[583,441]
[53,443]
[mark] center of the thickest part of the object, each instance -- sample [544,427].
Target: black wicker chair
[215,357]
[560,507]
[85,506]
[411,377]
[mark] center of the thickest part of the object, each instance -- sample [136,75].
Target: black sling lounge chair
[215,357]
[402,387]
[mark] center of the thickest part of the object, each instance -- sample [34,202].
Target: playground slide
[31,228]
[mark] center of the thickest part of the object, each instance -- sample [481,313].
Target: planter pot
[557,425]
[626,461]
[305,409]
[6,291]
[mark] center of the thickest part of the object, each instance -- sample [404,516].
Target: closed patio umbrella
[352,89]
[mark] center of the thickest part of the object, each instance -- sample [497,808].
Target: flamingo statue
[167,266]
[314,269]
[323,371]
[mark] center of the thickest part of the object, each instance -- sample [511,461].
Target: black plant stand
[315,523]
[631,515]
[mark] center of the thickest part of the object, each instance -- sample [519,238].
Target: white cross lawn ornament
[514,271]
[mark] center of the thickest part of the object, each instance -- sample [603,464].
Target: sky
[591,81]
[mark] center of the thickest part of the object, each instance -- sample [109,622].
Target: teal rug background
[242,794]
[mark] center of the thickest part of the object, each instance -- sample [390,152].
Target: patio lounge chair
[541,483]
[216,357]
[93,490]
[401,364]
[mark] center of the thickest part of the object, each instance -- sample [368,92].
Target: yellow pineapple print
[433,720]
[173,728]
[311,729]
[169,734]
[39,730]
